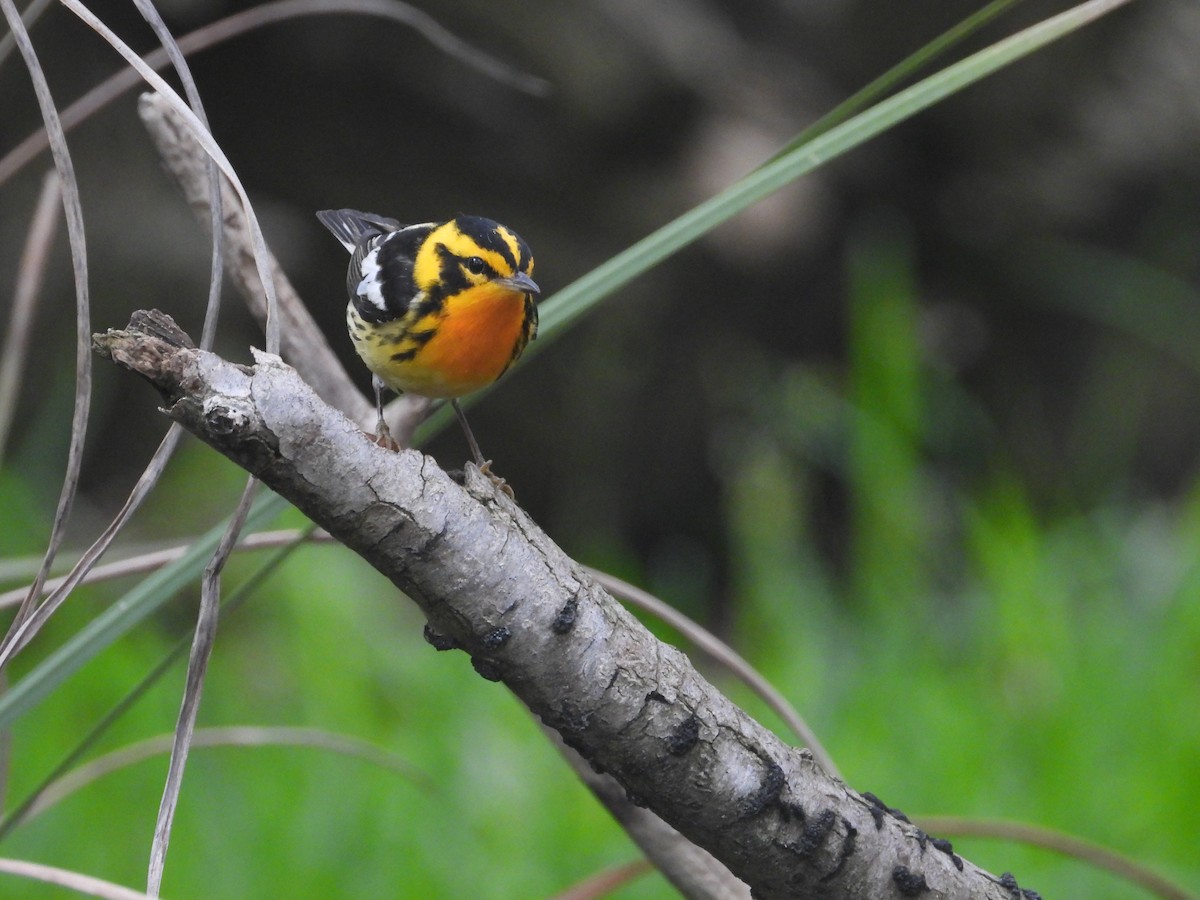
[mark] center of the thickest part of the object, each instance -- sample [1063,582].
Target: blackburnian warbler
[439,309]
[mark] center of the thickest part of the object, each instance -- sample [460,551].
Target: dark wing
[352,227]
[380,277]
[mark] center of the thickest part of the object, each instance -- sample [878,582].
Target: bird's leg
[480,462]
[484,465]
[383,434]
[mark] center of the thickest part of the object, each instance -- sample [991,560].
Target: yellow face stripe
[514,247]
[427,269]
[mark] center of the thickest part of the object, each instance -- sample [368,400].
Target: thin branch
[301,340]
[691,870]
[494,585]
[303,343]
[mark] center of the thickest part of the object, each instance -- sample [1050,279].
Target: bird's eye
[475,265]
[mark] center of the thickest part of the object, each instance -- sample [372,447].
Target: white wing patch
[371,286]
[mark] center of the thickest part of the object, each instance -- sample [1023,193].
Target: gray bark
[496,586]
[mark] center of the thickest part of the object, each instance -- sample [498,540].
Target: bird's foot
[500,483]
[384,440]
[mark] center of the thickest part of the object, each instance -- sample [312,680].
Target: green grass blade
[122,616]
[581,295]
[898,73]
[890,541]
[1112,291]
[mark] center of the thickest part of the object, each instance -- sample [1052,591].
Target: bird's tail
[351,227]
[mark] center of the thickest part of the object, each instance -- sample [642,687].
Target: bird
[439,309]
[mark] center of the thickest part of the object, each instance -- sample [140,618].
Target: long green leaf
[122,616]
[580,296]
[898,73]
[824,142]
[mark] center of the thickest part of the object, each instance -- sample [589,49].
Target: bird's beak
[521,283]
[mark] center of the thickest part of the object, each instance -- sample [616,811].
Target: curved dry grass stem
[604,883]
[150,476]
[269,14]
[17,813]
[32,13]
[1066,844]
[156,559]
[210,147]
[25,624]
[206,636]
[217,265]
[722,653]
[67,583]
[30,276]
[73,209]
[210,592]
[83,884]
[227,736]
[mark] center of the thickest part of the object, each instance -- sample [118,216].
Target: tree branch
[494,585]
[302,343]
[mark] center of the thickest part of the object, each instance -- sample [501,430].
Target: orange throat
[477,335]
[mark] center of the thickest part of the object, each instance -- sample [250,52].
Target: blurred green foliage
[974,655]
[923,450]
[977,653]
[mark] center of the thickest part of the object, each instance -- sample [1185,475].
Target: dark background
[917,435]
[1078,158]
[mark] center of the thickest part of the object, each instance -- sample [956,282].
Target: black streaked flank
[420,338]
